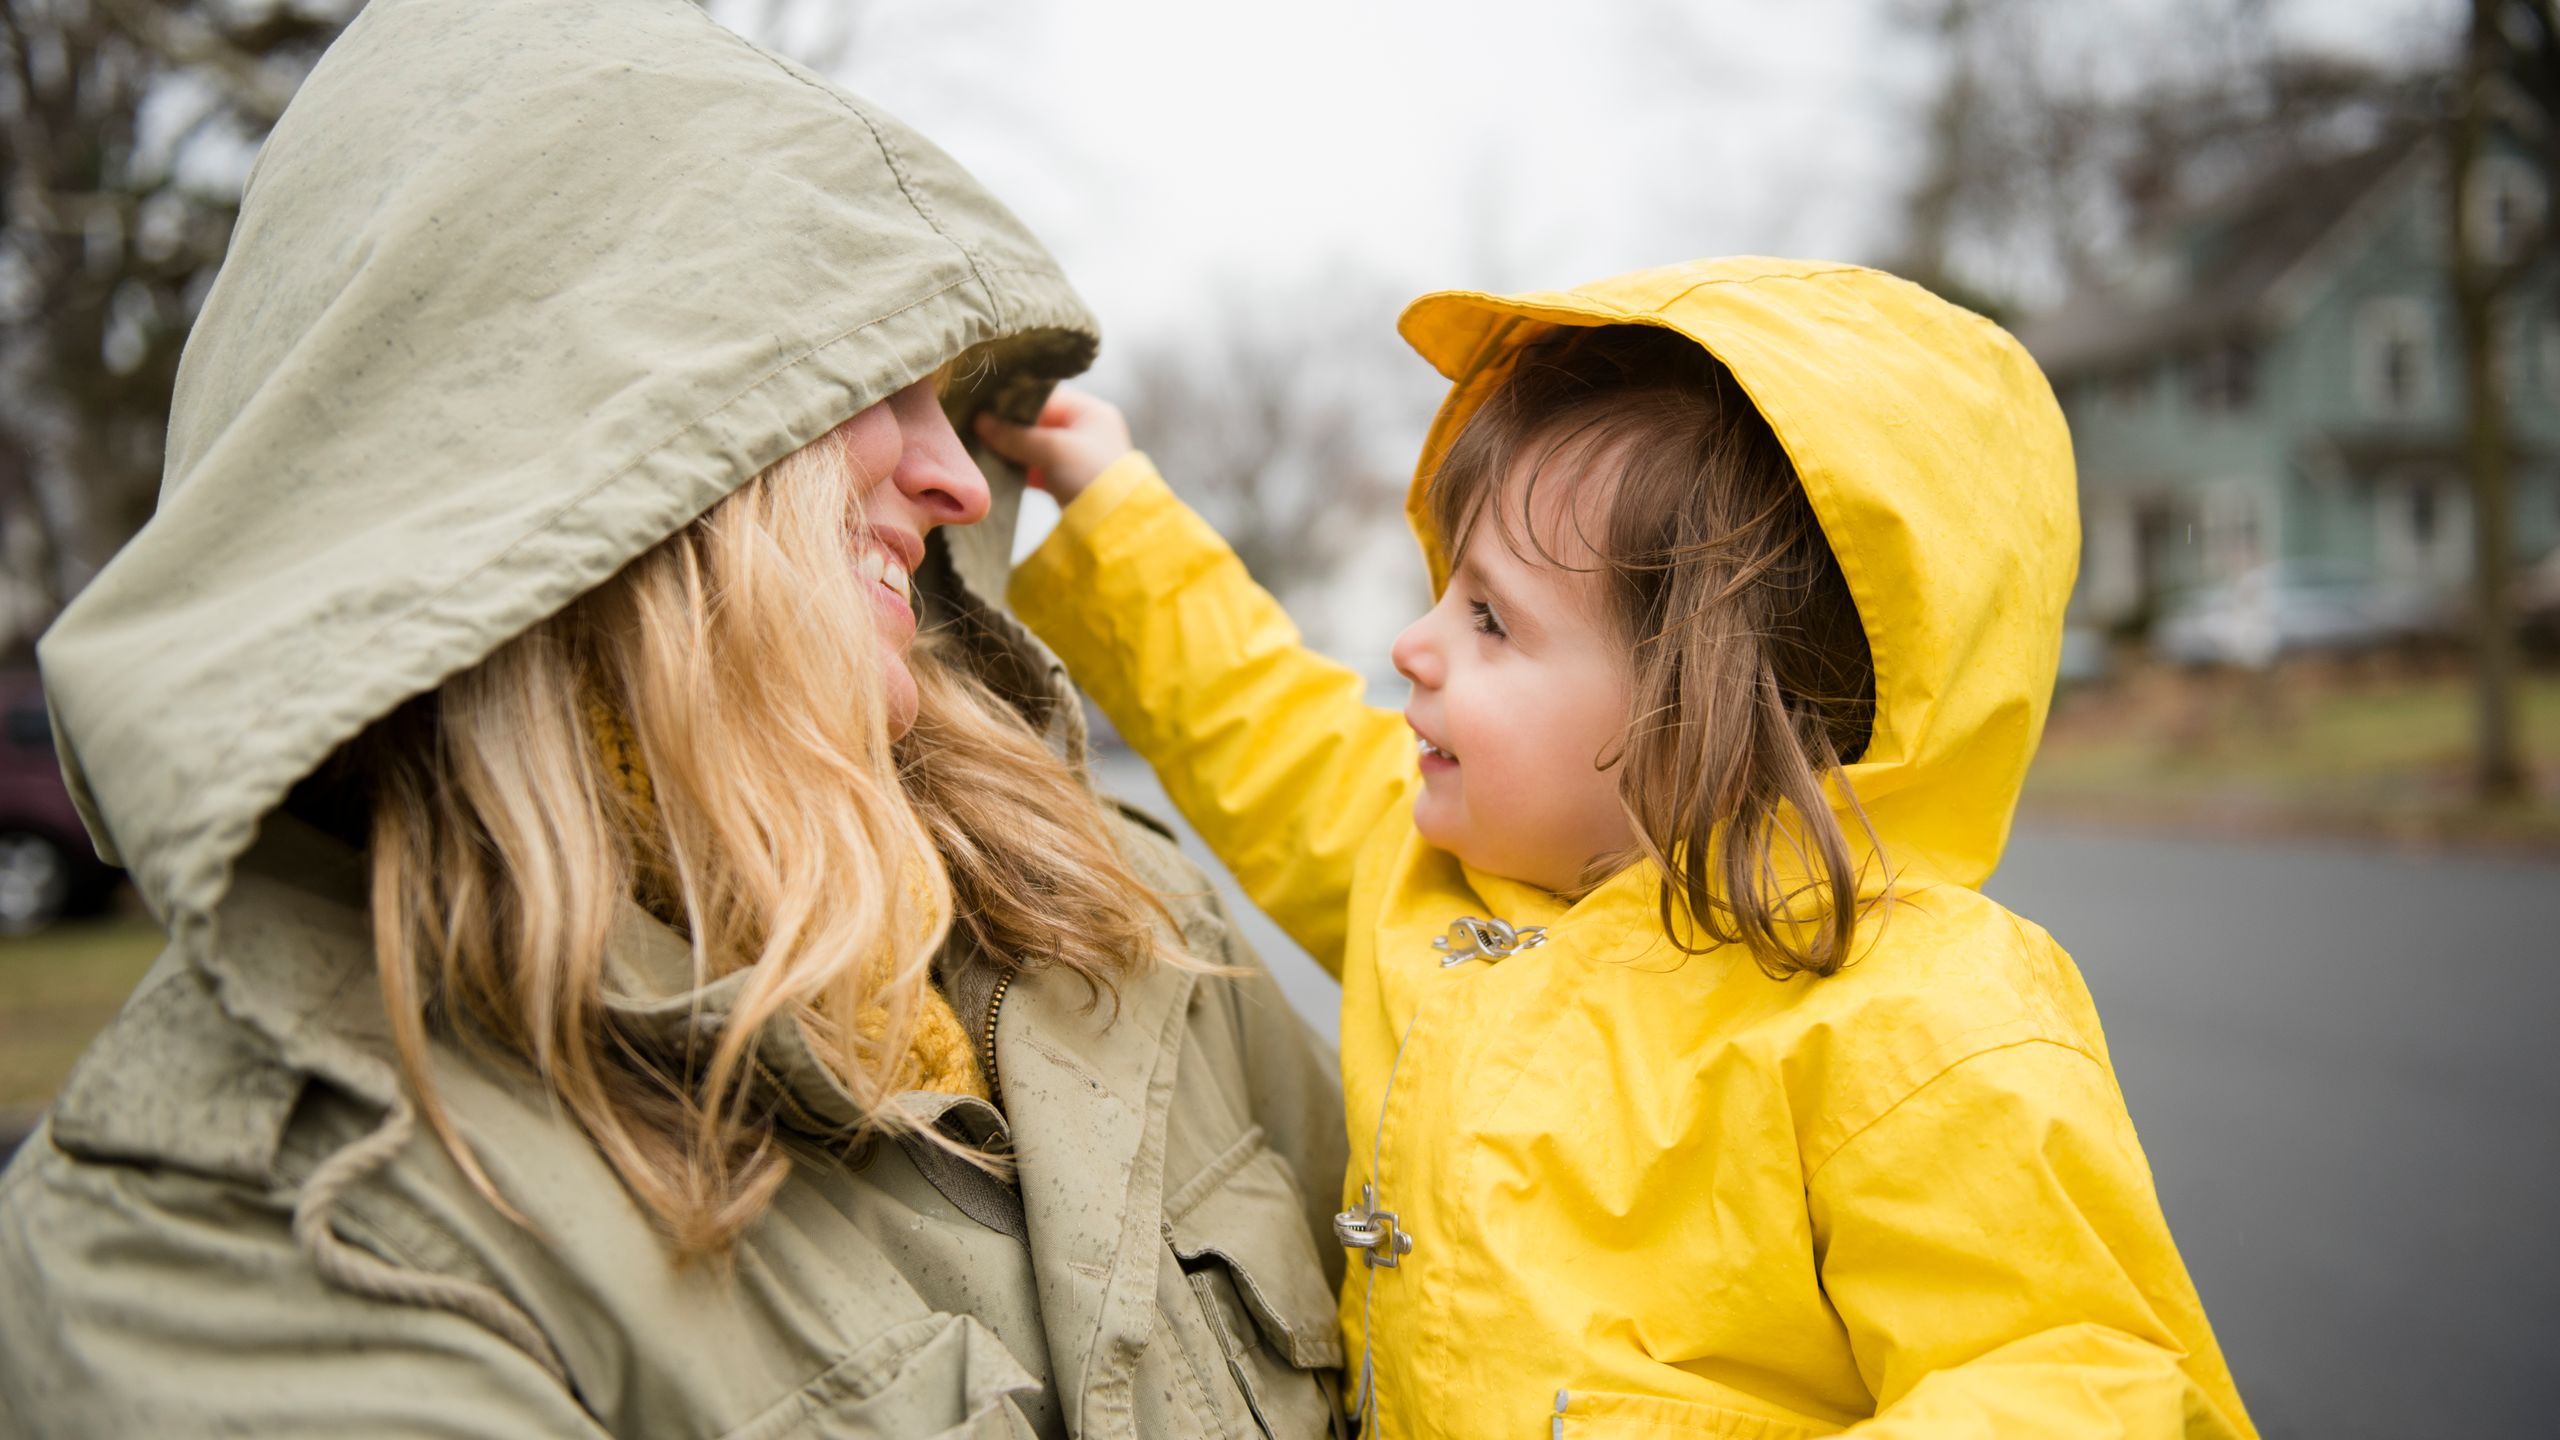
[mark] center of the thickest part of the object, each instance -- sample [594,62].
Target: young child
[1694,1088]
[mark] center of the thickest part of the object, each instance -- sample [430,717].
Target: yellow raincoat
[1636,1193]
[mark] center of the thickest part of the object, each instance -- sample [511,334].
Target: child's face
[1520,688]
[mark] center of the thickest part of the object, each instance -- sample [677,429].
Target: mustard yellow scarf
[940,1057]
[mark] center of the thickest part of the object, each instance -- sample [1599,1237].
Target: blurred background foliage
[130,125]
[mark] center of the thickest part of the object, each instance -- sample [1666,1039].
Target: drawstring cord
[351,1269]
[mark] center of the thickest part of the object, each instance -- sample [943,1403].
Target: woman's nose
[934,469]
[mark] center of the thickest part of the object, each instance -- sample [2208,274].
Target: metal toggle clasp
[1472,939]
[1372,1231]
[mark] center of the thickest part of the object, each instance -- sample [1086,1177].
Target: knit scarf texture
[940,1056]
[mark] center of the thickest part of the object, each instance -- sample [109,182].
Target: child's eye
[1487,623]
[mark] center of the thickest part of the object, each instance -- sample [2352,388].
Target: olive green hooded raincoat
[520,287]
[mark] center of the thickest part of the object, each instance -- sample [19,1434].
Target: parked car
[2274,610]
[47,867]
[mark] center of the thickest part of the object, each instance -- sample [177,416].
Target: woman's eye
[1487,623]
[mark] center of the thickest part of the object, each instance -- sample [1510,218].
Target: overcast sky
[1172,151]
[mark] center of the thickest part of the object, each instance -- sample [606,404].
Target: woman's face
[925,479]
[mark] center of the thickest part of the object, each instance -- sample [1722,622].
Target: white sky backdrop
[1172,151]
[1169,150]
[1187,159]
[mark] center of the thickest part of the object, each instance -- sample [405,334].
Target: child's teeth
[894,575]
[870,565]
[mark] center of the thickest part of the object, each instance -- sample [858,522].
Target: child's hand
[1078,437]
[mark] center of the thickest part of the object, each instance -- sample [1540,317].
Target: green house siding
[2319,425]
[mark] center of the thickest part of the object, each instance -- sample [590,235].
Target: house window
[2224,376]
[2126,392]
[2504,208]
[2395,355]
[2423,530]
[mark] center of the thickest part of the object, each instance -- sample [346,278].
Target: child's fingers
[1016,443]
[1098,422]
[1076,437]
[1067,405]
[1021,444]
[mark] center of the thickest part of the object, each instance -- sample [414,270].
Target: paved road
[2344,1066]
[2345,1069]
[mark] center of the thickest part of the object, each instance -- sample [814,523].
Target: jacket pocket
[1602,1413]
[942,1377]
[1240,1233]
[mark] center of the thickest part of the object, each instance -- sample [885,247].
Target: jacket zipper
[987,1045]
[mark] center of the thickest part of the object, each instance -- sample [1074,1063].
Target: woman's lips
[892,589]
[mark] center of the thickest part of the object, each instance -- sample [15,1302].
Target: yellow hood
[1939,466]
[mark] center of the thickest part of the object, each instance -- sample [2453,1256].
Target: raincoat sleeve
[1995,1248]
[1265,745]
[160,1303]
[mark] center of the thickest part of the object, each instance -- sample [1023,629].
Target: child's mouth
[1431,752]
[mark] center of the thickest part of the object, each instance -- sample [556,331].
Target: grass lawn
[56,990]
[2307,749]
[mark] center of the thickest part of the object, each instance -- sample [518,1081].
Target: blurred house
[2272,394]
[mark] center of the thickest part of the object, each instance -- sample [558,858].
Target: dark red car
[47,866]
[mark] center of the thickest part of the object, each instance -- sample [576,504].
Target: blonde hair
[1752,681]
[801,849]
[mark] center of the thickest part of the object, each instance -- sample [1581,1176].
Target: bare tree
[130,124]
[2060,136]
[2511,60]
[2024,146]
[1288,422]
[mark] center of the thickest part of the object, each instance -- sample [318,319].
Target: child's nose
[1414,658]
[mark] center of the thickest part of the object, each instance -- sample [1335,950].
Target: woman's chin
[898,701]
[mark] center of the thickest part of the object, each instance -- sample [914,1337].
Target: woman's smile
[889,577]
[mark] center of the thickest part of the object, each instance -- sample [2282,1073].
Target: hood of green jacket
[519,288]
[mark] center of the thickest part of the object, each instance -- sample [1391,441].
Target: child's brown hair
[1752,678]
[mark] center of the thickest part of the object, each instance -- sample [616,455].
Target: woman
[622,981]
